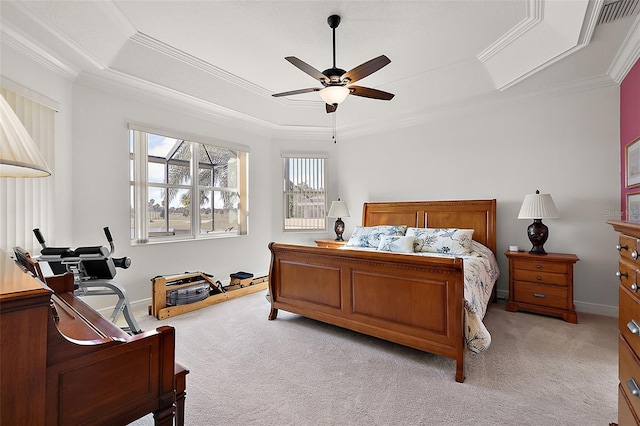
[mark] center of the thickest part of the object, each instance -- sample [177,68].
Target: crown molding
[179,55]
[141,90]
[471,105]
[13,38]
[534,17]
[627,55]
[529,34]
[54,32]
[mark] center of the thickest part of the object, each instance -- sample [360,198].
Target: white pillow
[369,236]
[441,240]
[396,244]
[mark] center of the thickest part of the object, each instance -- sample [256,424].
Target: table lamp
[537,207]
[19,154]
[339,210]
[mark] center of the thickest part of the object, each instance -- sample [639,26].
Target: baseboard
[586,307]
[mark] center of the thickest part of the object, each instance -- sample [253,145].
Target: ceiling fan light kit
[336,81]
[334,95]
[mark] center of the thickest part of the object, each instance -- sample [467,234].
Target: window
[168,173]
[305,198]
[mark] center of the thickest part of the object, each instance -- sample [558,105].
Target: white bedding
[480,275]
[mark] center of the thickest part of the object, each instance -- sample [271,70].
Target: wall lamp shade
[334,95]
[339,210]
[537,207]
[19,154]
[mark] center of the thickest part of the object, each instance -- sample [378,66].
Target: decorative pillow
[396,244]
[369,236]
[441,240]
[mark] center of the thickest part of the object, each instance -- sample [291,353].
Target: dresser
[628,273]
[542,284]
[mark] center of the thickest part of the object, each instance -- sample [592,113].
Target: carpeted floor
[246,370]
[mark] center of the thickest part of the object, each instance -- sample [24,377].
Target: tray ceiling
[228,56]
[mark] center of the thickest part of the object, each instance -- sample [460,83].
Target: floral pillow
[396,244]
[441,240]
[369,236]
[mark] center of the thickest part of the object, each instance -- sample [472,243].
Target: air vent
[614,10]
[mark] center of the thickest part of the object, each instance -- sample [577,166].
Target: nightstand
[542,284]
[330,243]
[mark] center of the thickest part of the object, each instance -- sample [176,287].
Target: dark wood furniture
[542,283]
[628,322]
[330,243]
[415,301]
[63,363]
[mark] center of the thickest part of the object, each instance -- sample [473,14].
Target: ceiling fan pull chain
[334,119]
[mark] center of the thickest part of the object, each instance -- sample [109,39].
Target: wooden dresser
[628,273]
[63,363]
[542,284]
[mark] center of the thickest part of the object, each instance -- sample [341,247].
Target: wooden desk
[63,363]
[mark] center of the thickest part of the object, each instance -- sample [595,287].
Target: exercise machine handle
[107,233]
[122,262]
[39,237]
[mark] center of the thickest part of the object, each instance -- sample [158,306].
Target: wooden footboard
[410,300]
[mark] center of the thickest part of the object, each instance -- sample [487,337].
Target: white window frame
[139,187]
[310,168]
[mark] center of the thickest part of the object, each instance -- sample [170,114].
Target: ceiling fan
[336,82]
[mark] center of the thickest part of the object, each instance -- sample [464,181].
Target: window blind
[26,202]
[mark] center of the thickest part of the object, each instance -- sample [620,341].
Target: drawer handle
[620,247]
[620,274]
[539,266]
[633,327]
[634,254]
[634,287]
[633,387]
[541,295]
[539,278]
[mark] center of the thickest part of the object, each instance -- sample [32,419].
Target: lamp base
[339,229]
[538,234]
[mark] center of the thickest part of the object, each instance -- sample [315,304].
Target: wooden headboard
[479,215]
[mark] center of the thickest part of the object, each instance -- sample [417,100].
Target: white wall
[566,146]
[101,191]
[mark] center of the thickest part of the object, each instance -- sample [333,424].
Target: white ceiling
[228,56]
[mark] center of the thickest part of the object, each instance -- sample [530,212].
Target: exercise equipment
[93,270]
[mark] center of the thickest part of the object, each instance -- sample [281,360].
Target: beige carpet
[246,370]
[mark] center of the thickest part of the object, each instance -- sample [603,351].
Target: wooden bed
[411,300]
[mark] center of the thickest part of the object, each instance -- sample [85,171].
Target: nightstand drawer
[330,243]
[542,295]
[629,319]
[542,266]
[540,277]
[629,373]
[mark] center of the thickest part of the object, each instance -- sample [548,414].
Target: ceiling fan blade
[367,92]
[363,70]
[297,92]
[331,108]
[302,65]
